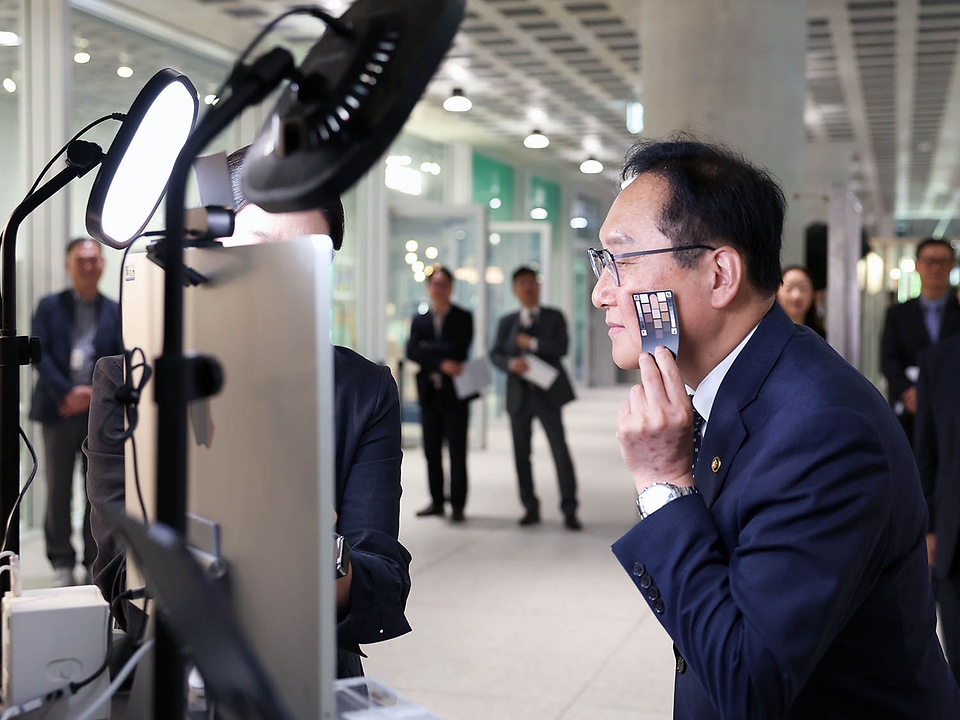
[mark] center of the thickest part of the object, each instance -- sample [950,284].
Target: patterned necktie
[697,436]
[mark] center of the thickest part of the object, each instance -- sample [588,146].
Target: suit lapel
[726,432]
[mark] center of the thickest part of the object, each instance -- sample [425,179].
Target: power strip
[52,637]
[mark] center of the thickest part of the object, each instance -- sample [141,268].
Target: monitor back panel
[260,453]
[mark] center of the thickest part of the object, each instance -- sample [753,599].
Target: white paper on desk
[474,378]
[540,373]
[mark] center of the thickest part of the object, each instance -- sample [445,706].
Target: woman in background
[796,297]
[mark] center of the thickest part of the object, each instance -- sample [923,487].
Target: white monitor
[260,453]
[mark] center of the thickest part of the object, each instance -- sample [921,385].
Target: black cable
[76,686]
[334,23]
[112,116]
[26,486]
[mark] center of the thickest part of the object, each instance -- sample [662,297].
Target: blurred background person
[76,327]
[540,331]
[439,343]
[912,326]
[798,299]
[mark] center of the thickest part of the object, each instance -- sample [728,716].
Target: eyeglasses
[603,259]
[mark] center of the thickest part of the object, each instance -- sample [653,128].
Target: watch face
[655,497]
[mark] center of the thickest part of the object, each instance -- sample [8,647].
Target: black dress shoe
[531,518]
[457,515]
[430,510]
[572,523]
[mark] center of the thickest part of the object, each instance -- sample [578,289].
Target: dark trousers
[948,598]
[446,421]
[536,405]
[62,442]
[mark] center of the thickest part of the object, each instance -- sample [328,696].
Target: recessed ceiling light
[536,140]
[457,102]
[124,71]
[9,39]
[9,85]
[81,58]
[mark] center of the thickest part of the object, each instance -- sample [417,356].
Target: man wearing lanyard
[76,327]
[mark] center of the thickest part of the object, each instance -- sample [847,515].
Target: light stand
[166,107]
[15,351]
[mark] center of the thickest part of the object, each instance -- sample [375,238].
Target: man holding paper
[439,343]
[528,348]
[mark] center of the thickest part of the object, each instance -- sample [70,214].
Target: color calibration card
[657,313]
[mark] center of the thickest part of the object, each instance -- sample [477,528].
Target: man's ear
[728,275]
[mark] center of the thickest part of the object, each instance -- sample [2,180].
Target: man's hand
[524,341]
[931,548]
[76,401]
[451,367]
[909,398]
[518,365]
[655,425]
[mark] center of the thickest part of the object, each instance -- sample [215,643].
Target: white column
[732,71]
[372,234]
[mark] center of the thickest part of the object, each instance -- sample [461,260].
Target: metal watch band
[666,492]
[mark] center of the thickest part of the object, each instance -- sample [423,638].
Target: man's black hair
[715,197]
[332,211]
[79,241]
[524,270]
[441,269]
[934,242]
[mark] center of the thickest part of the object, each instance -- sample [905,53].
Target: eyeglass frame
[595,255]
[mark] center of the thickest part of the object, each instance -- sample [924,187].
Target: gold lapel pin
[715,465]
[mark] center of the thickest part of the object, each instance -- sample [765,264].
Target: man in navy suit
[937,445]
[781,540]
[76,327]
[439,342]
[542,332]
[911,327]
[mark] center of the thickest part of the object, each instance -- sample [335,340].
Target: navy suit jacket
[905,336]
[937,440]
[550,329]
[53,324]
[795,584]
[367,427]
[428,351]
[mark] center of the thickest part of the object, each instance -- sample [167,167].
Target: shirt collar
[528,313]
[939,303]
[706,392]
[80,300]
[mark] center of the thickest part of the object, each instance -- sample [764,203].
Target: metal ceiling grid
[873,30]
[881,78]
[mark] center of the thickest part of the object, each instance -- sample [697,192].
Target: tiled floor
[512,622]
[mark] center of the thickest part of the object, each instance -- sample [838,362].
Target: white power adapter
[51,638]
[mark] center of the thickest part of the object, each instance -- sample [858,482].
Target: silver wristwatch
[658,495]
[343,555]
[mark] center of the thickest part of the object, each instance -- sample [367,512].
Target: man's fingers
[673,385]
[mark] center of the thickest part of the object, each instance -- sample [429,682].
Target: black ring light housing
[352,97]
